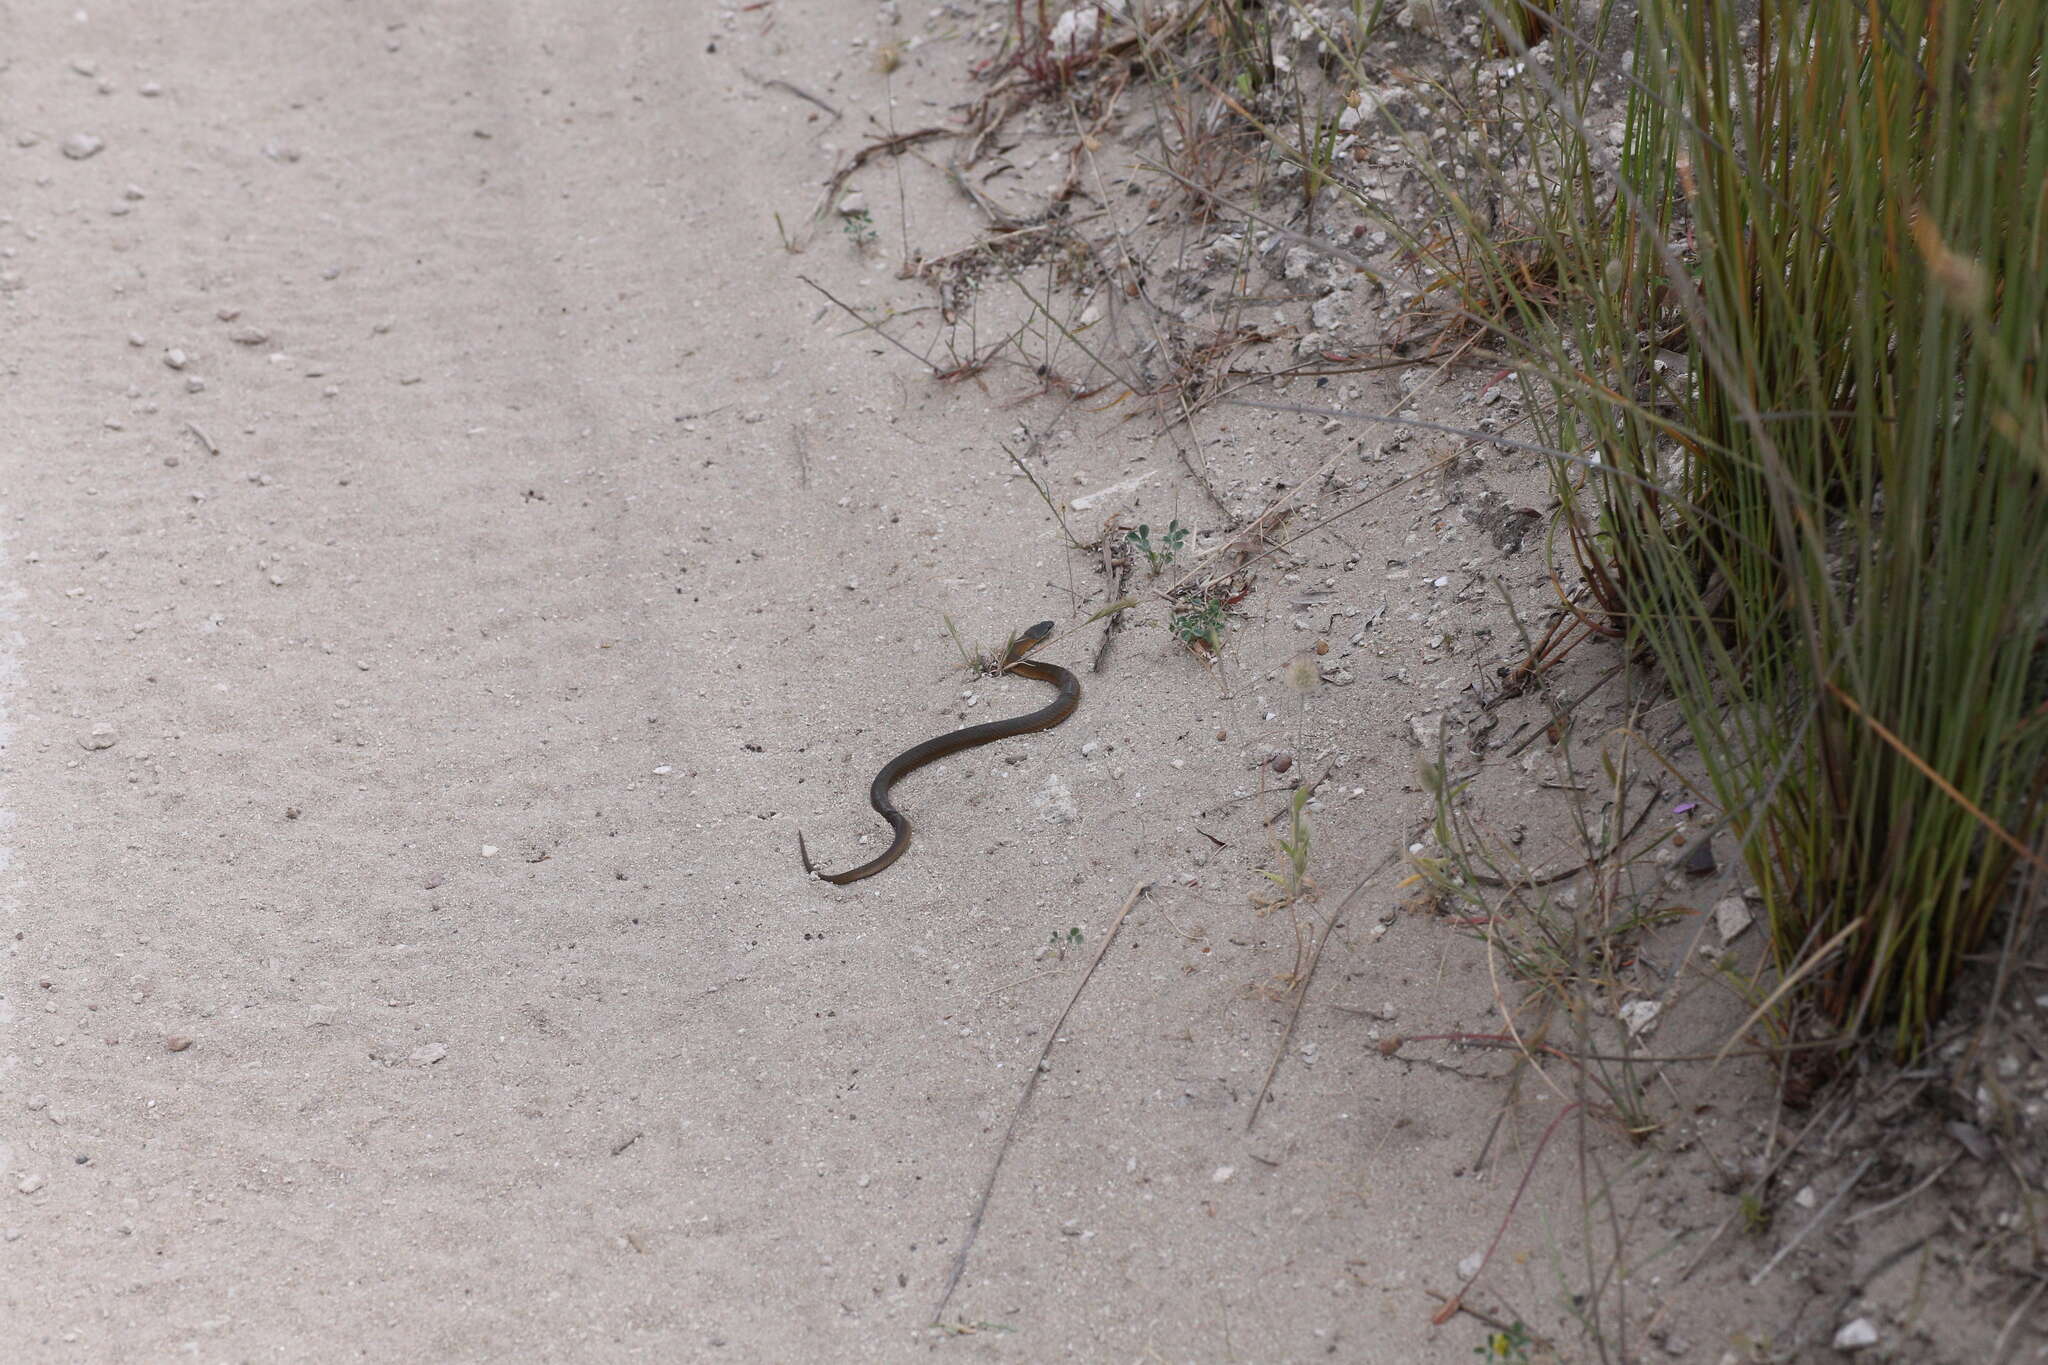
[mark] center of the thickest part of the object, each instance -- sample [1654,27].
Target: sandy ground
[452,553]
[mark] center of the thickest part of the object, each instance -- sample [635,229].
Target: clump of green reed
[1793,349]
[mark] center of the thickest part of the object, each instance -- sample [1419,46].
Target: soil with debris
[471,505]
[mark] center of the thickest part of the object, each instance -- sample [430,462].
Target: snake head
[1026,641]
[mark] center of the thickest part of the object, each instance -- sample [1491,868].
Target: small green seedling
[1171,542]
[1509,1346]
[1061,942]
[1199,623]
[1295,845]
[859,226]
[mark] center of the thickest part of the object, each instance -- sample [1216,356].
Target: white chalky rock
[1054,803]
[1638,1015]
[1074,32]
[1731,917]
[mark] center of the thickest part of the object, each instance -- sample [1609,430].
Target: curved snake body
[931,750]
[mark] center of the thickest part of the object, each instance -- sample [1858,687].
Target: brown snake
[915,757]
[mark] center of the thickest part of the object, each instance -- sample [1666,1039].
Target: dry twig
[1024,1102]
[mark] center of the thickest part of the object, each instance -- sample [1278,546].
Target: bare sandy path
[558,559]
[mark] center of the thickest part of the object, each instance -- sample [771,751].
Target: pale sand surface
[561,556]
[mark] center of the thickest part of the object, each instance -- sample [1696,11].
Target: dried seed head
[1302,673]
[1959,277]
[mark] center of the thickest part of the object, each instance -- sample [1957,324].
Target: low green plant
[1294,845]
[1171,542]
[859,227]
[1791,355]
[1199,622]
[1509,1345]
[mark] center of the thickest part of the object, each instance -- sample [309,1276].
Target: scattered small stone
[1856,1334]
[135,192]
[101,736]
[1972,1139]
[149,90]
[1076,32]
[1055,803]
[137,339]
[1638,1015]
[1427,729]
[29,1184]
[1327,313]
[490,850]
[194,384]
[1731,917]
[280,151]
[85,66]
[1423,16]
[1471,1265]
[852,204]
[1699,859]
[177,1042]
[25,138]
[79,146]
[176,358]
[248,336]
[1222,1173]
[427,1055]
[10,281]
